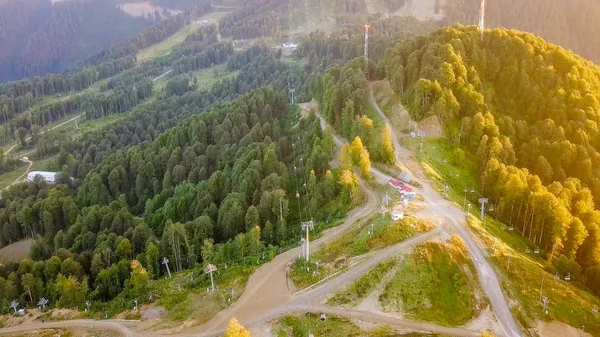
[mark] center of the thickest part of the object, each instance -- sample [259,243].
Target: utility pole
[307,226]
[483,201]
[293,91]
[508,267]
[541,287]
[386,199]
[209,270]
[545,301]
[280,211]
[481,25]
[165,261]
[465,200]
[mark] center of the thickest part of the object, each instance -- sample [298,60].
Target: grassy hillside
[436,283]
[513,102]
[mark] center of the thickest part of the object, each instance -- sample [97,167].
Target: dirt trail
[104,325]
[267,288]
[455,216]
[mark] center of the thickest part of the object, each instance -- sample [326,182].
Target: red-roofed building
[402,188]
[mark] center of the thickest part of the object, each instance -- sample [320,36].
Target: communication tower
[481,25]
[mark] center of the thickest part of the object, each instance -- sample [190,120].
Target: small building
[404,190]
[407,192]
[395,184]
[49,177]
[290,46]
[397,215]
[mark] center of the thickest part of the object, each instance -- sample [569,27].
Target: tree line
[342,92]
[209,189]
[215,189]
[514,102]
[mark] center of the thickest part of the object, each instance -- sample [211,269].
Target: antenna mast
[481,25]
[367,42]
[366,54]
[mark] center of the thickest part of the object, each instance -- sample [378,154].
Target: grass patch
[446,165]
[301,325]
[436,283]
[9,177]
[166,46]
[185,296]
[358,290]
[370,111]
[376,233]
[209,76]
[568,303]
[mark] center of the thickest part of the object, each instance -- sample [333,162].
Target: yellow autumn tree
[235,329]
[346,157]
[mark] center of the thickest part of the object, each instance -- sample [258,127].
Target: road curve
[455,216]
[267,289]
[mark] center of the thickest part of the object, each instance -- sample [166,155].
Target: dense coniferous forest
[571,24]
[39,38]
[347,43]
[529,118]
[212,185]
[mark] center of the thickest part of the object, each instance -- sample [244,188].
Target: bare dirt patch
[139,9]
[486,321]
[308,107]
[152,311]
[431,126]
[558,329]
[15,252]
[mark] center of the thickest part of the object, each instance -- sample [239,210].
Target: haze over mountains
[42,36]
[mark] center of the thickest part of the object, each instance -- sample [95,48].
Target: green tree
[152,260]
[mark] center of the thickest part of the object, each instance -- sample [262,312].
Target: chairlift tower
[43,302]
[165,261]
[209,270]
[307,226]
[14,304]
[292,91]
[483,201]
[481,25]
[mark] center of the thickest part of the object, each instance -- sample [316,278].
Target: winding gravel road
[456,216]
[267,295]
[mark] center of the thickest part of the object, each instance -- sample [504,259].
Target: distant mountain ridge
[38,37]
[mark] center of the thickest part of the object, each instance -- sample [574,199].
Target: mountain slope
[38,37]
[528,114]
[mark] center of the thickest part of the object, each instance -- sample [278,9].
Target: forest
[209,187]
[347,42]
[571,24]
[38,37]
[514,114]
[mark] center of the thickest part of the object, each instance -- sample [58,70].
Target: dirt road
[267,289]
[455,216]
[91,324]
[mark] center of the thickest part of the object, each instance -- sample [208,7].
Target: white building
[49,177]
[397,215]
